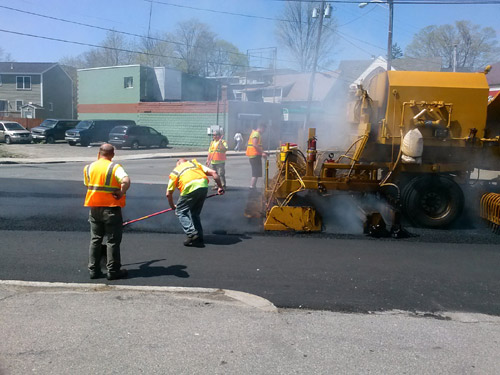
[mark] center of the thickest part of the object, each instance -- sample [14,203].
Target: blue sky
[363,32]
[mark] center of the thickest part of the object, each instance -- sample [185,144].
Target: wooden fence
[28,123]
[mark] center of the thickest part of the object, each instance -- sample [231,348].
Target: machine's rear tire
[8,140]
[432,201]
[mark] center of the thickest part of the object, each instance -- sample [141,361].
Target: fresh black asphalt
[44,237]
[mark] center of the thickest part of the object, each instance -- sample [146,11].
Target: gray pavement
[99,329]
[104,329]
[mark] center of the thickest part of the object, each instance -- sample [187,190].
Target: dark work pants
[105,221]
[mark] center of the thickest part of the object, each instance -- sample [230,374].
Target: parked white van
[13,132]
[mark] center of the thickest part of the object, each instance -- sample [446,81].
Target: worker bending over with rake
[107,183]
[190,177]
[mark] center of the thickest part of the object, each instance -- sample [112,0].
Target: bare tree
[77,62]
[226,60]
[475,46]
[298,32]
[115,51]
[193,48]
[6,57]
[156,50]
[196,42]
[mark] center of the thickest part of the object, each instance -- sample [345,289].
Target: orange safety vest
[101,184]
[186,172]
[217,151]
[251,150]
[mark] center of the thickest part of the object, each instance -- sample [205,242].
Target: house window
[128,82]
[19,104]
[23,82]
[0,80]
[51,106]
[4,106]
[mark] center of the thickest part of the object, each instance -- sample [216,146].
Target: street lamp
[390,4]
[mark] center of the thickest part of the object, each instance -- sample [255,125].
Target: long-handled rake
[158,213]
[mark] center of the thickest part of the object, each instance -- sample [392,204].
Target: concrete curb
[248,299]
[188,154]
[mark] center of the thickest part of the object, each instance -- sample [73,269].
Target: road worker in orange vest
[190,177]
[107,183]
[217,157]
[255,153]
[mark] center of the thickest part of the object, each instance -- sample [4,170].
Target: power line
[126,33]
[343,36]
[358,17]
[216,11]
[405,2]
[153,38]
[119,49]
[103,28]
[159,39]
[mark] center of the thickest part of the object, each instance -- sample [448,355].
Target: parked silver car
[13,132]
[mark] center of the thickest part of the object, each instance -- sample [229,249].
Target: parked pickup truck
[51,130]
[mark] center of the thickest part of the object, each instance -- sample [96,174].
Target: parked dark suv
[90,131]
[51,130]
[136,136]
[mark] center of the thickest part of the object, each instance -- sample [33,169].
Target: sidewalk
[100,329]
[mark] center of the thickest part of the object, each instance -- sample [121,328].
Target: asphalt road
[44,237]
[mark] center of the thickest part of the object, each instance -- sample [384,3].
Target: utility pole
[389,36]
[315,63]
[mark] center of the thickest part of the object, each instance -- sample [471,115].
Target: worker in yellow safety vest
[255,153]
[190,177]
[217,157]
[107,183]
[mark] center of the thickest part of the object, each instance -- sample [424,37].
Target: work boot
[190,240]
[97,274]
[121,274]
[194,241]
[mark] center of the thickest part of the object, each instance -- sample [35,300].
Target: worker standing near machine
[190,177]
[255,152]
[107,183]
[217,157]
